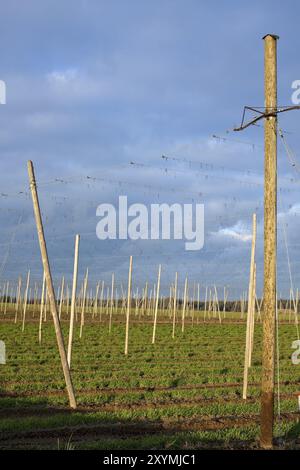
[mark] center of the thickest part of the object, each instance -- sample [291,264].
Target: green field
[178,393]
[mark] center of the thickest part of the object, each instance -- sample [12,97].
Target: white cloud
[238,232]
[62,76]
[73,84]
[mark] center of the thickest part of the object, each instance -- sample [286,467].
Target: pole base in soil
[266,420]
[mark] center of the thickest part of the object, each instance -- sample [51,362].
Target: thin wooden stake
[83,302]
[250,310]
[18,300]
[252,316]
[111,301]
[25,300]
[61,296]
[205,303]
[42,308]
[128,306]
[156,304]
[175,305]
[184,304]
[73,300]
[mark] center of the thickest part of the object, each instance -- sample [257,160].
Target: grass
[176,385]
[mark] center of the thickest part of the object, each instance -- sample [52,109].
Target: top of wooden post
[274,36]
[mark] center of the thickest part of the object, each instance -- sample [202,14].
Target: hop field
[184,392]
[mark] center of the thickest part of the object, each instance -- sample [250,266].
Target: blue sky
[94,85]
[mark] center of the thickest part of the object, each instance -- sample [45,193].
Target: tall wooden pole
[145,299]
[128,306]
[101,299]
[85,283]
[198,301]
[250,309]
[175,305]
[156,305]
[42,309]
[184,304]
[96,300]
[111,301]
[73,300]
[270,243]
[67,299]
[61,296]
[51,294]
[6,297]
[205,303]
[253,317]
[217,304]
[25,300]
[18,298]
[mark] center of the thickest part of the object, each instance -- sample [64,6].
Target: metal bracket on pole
[268,112]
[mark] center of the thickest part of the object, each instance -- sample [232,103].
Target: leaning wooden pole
[270,243]
[46,266]
[73,300]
